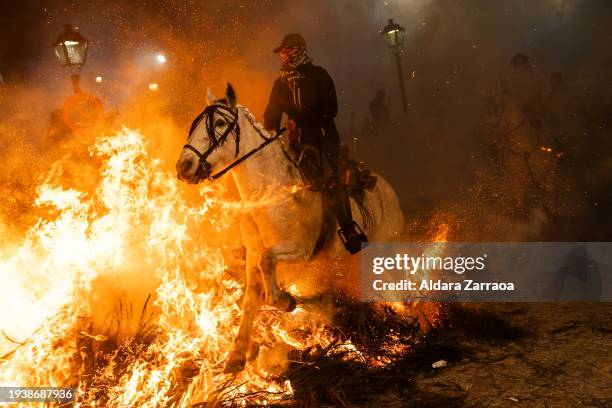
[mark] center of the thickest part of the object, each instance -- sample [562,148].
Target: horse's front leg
[274,296]
[253,298]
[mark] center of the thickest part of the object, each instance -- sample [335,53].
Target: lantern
[393,34]
[71,47]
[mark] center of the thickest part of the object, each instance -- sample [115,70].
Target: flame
[131,234]
[134,236]
[123,292]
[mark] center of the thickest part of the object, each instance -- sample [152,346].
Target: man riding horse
[289,229]
[307,95]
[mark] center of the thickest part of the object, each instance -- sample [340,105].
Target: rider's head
[290,45]
[520,61]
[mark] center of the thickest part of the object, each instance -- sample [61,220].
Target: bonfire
[131,295]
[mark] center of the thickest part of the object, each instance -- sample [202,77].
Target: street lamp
[81,112]
[71,49]
[394,34]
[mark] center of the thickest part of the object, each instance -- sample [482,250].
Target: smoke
[453,53]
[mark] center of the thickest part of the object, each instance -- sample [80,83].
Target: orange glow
[129,256]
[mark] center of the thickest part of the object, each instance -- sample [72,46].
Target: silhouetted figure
[524,152]
[379,111]
[524,85]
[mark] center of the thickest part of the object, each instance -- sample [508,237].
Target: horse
[525,156]
[287,231]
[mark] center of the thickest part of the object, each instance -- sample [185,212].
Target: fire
[134,235]
[123,292]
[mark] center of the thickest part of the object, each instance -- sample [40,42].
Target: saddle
[357,179]
[355,176]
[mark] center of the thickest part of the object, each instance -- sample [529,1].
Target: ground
[516,355]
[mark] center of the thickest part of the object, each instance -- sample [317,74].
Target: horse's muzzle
[203,171]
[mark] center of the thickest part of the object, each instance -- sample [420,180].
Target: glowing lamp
[71,47]
[393,34]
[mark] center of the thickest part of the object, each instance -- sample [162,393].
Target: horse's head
[214,139]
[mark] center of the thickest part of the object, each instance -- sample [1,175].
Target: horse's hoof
[286,302]
[292,304]
[235,363]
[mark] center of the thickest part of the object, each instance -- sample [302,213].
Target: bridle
[233,128]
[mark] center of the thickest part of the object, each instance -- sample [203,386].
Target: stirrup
[352,236]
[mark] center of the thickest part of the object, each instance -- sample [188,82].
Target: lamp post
[394,34]
[71,49]
[81,112]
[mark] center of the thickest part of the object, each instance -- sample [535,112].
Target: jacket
[312,103]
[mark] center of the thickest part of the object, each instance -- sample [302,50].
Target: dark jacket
[312,105]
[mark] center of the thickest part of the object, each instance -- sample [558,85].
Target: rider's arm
[274,112]
[328,101]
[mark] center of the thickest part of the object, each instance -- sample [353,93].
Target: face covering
[291,59]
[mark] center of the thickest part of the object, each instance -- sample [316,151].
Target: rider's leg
[351,236]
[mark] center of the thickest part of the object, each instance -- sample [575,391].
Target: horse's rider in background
[307,95]
[525,86]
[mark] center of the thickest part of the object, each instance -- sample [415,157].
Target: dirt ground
[516,355]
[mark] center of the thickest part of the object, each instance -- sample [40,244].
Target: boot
[353,237]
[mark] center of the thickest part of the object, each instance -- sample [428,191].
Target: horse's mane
[253,120]
[294,170]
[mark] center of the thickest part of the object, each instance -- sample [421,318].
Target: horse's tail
[383,213]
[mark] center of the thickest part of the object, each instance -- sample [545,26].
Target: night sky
[22,25]
[463,42]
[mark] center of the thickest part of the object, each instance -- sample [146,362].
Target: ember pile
[124,291]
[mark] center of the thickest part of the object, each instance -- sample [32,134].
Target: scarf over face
[292,58]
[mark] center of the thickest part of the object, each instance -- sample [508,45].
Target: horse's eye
[219,122]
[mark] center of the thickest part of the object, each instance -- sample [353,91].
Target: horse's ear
[230,95]
[210,97]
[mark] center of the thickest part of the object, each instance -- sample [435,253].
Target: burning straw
[124,292]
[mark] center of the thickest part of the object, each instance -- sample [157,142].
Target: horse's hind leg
[253,298]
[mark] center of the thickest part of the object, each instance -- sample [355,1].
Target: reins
[215,142]
[247,155]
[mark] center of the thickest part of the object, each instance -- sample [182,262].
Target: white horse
[286,231]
